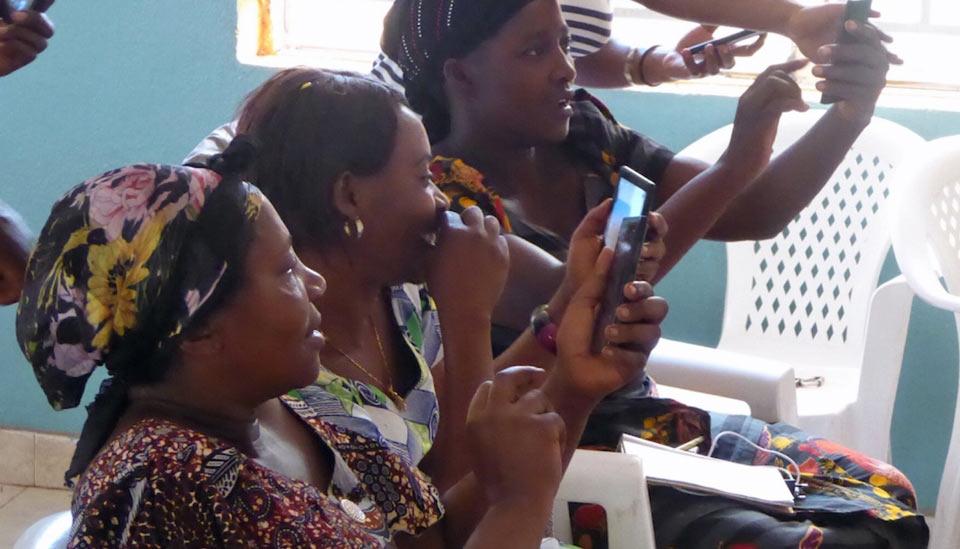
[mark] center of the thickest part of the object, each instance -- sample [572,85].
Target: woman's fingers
[472,216]
[751,48]
[594,222]
[639,337]
[512,383]
[851,74]
[492,225]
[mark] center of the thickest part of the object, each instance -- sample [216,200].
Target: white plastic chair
[926,242]
[616,482]
[807,303]
[50,532]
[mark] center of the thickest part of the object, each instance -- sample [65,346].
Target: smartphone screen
[625,233]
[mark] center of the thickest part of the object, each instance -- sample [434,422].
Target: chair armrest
[767,386]
[614,481]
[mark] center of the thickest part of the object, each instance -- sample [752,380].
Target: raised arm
[694,196]
[617,65]
[856,74]
[577,383]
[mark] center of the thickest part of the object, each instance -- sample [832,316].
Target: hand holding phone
[9,7]
[732,39]
[856,10]
[625,234]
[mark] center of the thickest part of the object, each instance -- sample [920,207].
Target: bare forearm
[466,503]
[604,68]
[468,362]
[533,278]
[693,210]
[512,525]
[526,350]
[761,15]
[789,183]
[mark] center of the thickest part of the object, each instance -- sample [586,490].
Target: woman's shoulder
[604,145]
[466,186]
[151,449]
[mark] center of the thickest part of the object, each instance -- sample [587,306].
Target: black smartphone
[856,10]
[731,39]
[625,234]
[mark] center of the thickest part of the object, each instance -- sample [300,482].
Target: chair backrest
[614,481]
[803,296]
[926,242]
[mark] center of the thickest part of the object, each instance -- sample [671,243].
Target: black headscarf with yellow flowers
[128,262]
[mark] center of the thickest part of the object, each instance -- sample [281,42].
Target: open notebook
[758,485]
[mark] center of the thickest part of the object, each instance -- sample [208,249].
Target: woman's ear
[457,75]
[204,343]
[346,197]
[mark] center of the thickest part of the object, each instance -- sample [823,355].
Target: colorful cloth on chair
[851,501]
[366,410]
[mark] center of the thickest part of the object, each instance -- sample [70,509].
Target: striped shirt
[589,21]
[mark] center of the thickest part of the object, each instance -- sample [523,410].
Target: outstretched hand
[714,58]
[817,26]
[854,72]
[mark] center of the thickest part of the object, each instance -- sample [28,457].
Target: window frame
[261,42]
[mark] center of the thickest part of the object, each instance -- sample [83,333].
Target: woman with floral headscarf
[199,437]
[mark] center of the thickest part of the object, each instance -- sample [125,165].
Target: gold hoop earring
[353,229]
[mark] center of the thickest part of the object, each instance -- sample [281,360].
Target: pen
[690,445]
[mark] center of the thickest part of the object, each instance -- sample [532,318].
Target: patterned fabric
[596,142]
[590,23]
[158,485]
[852,500]
[370,472]
[364,409]
[103,260]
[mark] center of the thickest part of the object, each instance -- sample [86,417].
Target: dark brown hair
[311,127]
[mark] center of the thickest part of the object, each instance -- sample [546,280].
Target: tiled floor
[20,507]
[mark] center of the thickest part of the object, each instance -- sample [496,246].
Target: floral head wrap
[102,286]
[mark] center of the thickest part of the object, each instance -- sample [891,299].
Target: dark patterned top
[159,484]
[596,142]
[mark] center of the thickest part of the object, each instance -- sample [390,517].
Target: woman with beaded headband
[492,79]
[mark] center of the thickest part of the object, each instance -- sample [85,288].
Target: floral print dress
[161,485]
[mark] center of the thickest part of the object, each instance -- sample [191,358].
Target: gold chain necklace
[387,387]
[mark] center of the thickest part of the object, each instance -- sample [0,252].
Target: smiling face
[270,328]
[517,84]
[400,206]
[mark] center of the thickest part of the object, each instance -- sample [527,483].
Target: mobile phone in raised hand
[730,39]
[625,233]
[856,10]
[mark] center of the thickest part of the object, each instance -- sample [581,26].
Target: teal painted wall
[144,81]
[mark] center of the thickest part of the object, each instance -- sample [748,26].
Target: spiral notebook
[758,485]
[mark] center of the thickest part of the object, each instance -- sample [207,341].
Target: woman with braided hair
[493,82]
